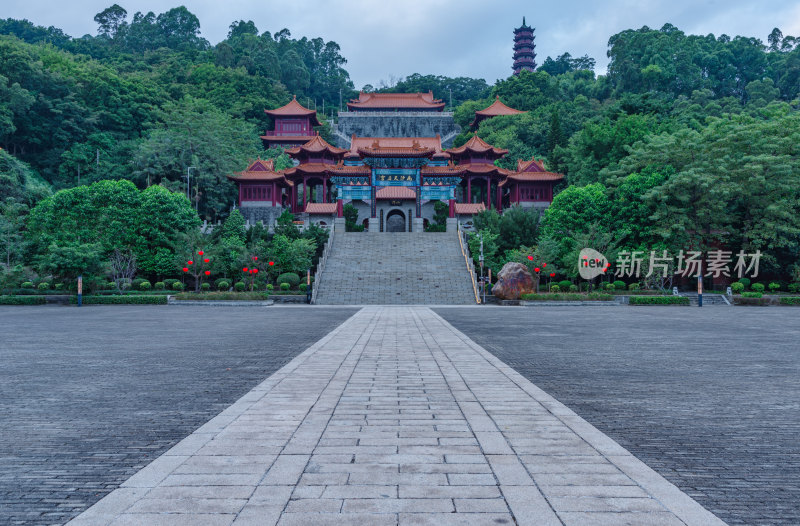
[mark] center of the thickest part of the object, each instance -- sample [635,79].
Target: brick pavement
[396,418]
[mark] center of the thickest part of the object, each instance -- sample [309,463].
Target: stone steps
[418,268]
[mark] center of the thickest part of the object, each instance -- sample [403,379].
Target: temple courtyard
[399,415]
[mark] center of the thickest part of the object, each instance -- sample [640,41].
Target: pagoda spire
[524,54]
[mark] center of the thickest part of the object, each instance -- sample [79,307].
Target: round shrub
[177,286]
[158,285]
[27,285]
[205,287]
[289,277]
[773,287]
[745,282]
[564,285]
[573,288]
[794,287]
[270,287]
[169,282]
[609,286]
[239,287]
[737,288]
[135,284]
[59,286]
[43,285]
[757,287]
[619,285]
[555,288]
[285,286]
[223,285]
[144,285]
[303,287]
[633,286]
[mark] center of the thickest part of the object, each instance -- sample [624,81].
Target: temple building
[496,109]
[294,125]
[524,54]
[393,182]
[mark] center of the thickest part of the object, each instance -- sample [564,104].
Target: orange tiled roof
[469,208]
[309,168]
[532,176]
[260,170]
[316,145]
[386,101]
[321,208]
[395,192]
[294,109]
[483,169]
[498,108]
[477,145]
[533,165]
[450,169]
[356,143]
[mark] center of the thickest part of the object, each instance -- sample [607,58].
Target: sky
[386,39]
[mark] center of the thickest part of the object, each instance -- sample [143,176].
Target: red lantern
[552,274]
[185,269]
[206,260]
[189,262]
[605,269]
[255,258]
[596,260]
[208,272]
[585,257]
[200,252]
[530,258]
[244,269]
[536,269]
[255,271]
[544,264]
[271,263]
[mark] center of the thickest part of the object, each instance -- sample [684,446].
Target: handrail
[470,269]
[321,264]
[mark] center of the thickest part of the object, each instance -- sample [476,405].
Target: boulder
[513,281]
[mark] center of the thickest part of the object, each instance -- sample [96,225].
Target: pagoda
[293,125]
[482,177]
[524,55]
[493,110]
[531,185]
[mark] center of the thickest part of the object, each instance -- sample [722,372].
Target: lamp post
[480,260]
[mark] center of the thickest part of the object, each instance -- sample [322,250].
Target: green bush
[303,287]
[285,286]
[737,288]
[169,282]
[592,296]
[205,287]
[144,285]
[633,286]
[793,287]
[58,286]
[122,300]
[555,289]
[659,300]
[22,300]
[289,277]
[222,296]
[135,284]
[239,287]
[223,285]
[565,285]
[790,300]
[752,294]
[27,285]
[749,300]
[177,286]
[774,287]
[608,286]
[270,287]
[758,287]
[573,288]
[43,286]
[745,282]
[158,285]
[110,285]
[619,285]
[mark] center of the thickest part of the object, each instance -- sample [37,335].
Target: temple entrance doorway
[395,221]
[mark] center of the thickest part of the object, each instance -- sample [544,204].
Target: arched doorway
[396,221]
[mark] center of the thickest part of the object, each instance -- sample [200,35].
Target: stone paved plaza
[397,416]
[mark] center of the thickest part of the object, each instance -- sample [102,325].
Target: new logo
[592,263]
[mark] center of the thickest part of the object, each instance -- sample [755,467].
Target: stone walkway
[395,417]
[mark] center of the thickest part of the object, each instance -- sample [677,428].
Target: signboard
[395,177]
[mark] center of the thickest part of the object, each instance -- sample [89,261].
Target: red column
[305,196]
[339,208]
[274,191]
[499,198]
[240,195]
[452,208]
[469,189]
[488,193]
[325,190]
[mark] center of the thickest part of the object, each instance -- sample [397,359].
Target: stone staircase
[418,268]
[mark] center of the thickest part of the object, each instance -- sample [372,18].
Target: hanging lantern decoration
[552,274]
[255,271]
[536,270]
[208,272]
[544,264]
[530,258]
[185,269]
[255,258]
[200,252]
[206,260]
[244,269]
[190,262]
[271,263]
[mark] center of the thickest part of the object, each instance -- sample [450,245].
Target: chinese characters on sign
[688,264]
[386,178]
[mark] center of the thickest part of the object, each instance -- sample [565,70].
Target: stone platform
[396,417]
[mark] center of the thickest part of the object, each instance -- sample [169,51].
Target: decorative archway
[396,221]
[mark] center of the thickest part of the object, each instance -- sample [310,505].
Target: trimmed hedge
[594,296]
[790,300]
[121,300]
[222,296]
[752,294]
[289,277]
[658,300]
[750,300]
[22,300]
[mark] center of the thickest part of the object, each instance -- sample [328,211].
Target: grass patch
[658,300]
[22,300]
[593,296]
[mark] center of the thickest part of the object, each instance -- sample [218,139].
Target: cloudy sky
[394,38]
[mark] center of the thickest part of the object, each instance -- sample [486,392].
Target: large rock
[513,281]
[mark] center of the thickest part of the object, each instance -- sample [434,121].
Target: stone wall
[395,124]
